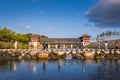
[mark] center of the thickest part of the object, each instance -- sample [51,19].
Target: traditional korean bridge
[61,42]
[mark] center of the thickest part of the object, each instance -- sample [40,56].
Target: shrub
[6,45]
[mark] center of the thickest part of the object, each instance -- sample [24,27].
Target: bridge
[60,42]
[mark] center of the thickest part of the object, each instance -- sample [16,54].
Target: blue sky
[57,18]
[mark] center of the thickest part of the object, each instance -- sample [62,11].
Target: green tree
[21,38]
[6,34]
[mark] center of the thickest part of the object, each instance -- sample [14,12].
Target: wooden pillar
[64,46]
[71,45]
[48,46]
[56,46]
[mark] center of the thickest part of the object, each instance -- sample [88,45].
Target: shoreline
[59,53]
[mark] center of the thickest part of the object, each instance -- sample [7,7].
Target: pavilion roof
[34,36]
[85,35]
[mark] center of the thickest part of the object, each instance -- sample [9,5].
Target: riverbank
[59,53]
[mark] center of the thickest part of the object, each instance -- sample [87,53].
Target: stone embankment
[57,53]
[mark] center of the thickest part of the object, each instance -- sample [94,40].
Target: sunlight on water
[62,69]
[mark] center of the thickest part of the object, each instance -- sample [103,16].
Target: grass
[6,45]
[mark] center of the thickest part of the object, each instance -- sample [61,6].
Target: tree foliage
[8,35]
[109,35]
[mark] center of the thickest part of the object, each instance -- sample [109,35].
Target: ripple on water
[72,69]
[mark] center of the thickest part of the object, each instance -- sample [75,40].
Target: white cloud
[42,12]
[27,27]
[114,1]
[105,13]
[49,28]
[23,26]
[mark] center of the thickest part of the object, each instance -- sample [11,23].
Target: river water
[62,69]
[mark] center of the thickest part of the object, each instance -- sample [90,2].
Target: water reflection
[72,68]
[14,66]
[58,66]
[44,67]
[35,67]
[28,66]
[83,66]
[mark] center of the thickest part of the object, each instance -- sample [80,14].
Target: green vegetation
[8,37]
[107,36]
[4,45]
[110,36]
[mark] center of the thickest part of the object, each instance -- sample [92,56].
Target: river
[62,69]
